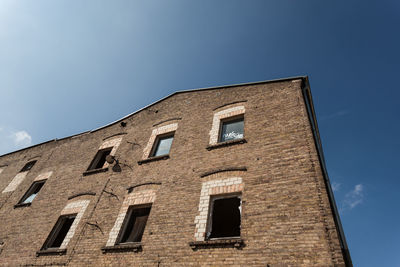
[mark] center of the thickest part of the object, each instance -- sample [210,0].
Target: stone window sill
[89,172]
[20,205]
[227,143]
[162,157]
[51,251]
[135,247]
[217,243]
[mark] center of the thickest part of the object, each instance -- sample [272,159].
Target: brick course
[286,219]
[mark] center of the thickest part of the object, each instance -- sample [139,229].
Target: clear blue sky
[71,66]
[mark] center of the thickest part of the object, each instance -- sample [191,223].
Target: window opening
[163,145]
[232,129]
[28,166]
[32,192]
[135,222]
[60,230]
[224,220]
[100,159]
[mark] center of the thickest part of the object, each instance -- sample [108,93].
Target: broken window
[60,230]
[224,217]
[28,166]
[231,129]
[162,145]
[99,159]
[134,224]
[32,192]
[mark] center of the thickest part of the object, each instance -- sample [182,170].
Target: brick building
[230,175]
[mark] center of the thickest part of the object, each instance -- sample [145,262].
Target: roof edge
[303,77]
[308,101]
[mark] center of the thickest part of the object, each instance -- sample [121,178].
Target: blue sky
[71,66]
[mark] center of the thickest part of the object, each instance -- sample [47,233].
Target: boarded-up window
[99,159]
[224,218]
[32,192]
[232,129]
[162,145]
[134,224]
[60,230]
[28,166]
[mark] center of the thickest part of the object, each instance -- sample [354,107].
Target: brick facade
[287,214]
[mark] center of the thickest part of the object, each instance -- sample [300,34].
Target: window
[60,230]
[28,166]
[162,145]
[224,217]
[32,192]
[134,224]
[231,129]
[99,159]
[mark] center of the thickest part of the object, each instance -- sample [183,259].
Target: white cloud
[11,140]
[22,138]
[340,113]
[336,186]
[354,197]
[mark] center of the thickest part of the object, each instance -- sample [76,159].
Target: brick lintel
[223,170]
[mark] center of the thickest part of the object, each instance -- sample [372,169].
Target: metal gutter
[314,126]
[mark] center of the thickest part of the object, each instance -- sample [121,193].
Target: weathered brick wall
[286,217]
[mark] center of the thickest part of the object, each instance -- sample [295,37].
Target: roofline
[158,101]
[201,89]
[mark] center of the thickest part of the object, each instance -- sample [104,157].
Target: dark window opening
[225,217]
[162,145]
[232,129]
[32,192]
[100,159]
[28,166]
[60,230]
[134,224]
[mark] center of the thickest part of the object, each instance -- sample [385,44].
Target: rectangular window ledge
[51,252]
[135,247]
[20,205]
[90,172]
[218,243]
[140,162]
[227,143]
